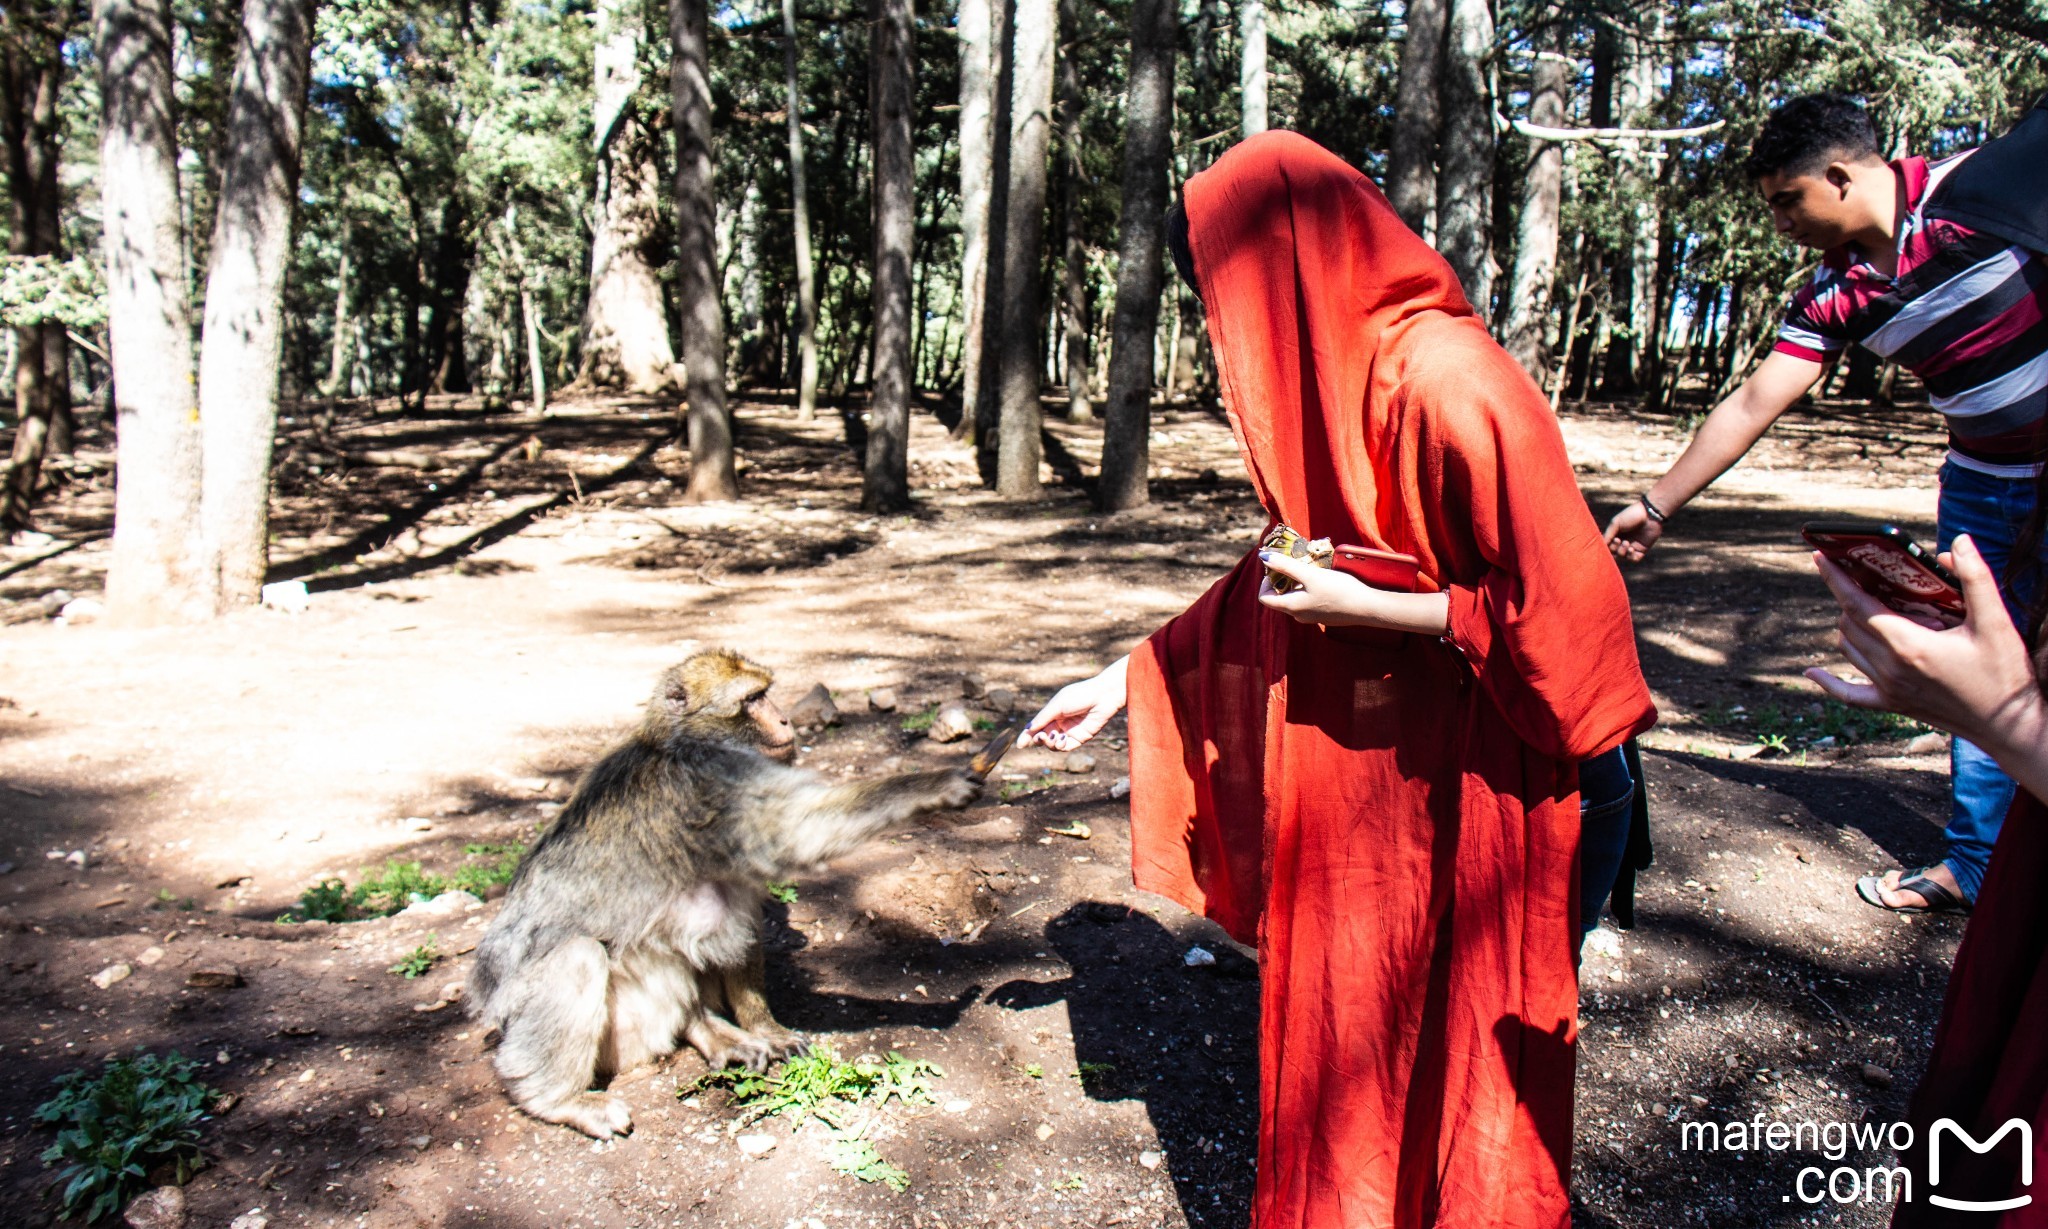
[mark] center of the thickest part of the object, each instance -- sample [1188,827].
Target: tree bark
[800,208]
[977,155]
[985,410]
[1529,303]
[31,73]
[1411,157]
[244,321]
[1464,190]
[1074,314]
[625,323]
[885,481]
[1148,143]
[338,341]
[529,316]
[454,253]
[1251,80]
[158,570]
[1037,33]
[713,474]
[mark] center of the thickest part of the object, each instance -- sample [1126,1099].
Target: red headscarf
[1394,824]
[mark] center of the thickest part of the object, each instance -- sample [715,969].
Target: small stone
[1001,699]
[1199,957]
[84,610]
[112,973]
[78,858]
[162,1208]
[420,1143]
[254,1218]
[418,823]
[1822,744]
[149,956]
[1149,1159]
[1044,1131]
[214,977]
[951,723]
[815,711]
[757,1145]
[973,686]
[6,868]
[1658,1108]
[33,539]
[1876,1076]
[882,700]
[1078,762]
[444,905]
[1928,743]
[958,1106]
[289,596]
[1122,788]
[1603,942]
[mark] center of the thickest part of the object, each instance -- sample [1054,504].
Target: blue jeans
[1606,792]
[1992,511]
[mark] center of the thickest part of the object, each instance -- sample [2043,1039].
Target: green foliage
[498,864]
[818,1085]
[855,1156]
[114,1128]
[34,289]
[395,886]
[326,901]
[1782,725]
[1034,1070]
[419,961]
[918,723]
[781,891]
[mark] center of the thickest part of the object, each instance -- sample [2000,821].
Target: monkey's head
[721,696]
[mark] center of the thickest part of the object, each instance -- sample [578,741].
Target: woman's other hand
[1339,599]
[1079,711]
[1973,679]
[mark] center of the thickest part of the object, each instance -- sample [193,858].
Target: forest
[365,201]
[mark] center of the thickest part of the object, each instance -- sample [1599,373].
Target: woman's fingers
[1859,695]
[1981,598]
[1853,599]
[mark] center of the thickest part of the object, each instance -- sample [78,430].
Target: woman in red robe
[1379,790]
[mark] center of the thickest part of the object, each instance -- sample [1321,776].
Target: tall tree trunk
[50,240]
[1036,35]
[1148,143]
[244,325]
[1464,190]
[625,323]
[338,341]
[31,66]
[158,570]
[1251,80]
[1411,158]
[1529,305]
[713,474]
[977,25]
[885,481]
[447,295]
[1074,256]
[987,407]
[800,208]
[529,316]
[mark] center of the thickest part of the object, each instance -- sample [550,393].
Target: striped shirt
[1967,314]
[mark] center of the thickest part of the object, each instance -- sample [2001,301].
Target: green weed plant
[114,1128]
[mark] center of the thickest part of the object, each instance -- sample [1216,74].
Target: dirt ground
[479,627]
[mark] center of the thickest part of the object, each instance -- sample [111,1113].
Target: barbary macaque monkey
[636,919]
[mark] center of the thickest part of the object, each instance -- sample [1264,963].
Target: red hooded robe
[1395,825]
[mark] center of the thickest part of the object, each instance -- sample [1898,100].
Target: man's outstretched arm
[1735,424]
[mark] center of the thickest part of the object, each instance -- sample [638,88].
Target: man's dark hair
[1808,132]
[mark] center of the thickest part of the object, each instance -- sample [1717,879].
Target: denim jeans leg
[1606,795]
[1991,510]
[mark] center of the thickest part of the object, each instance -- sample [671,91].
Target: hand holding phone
[1889,565]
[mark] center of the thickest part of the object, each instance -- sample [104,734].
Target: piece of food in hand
[985,760]
[1318,551]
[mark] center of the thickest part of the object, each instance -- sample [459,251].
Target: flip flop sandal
[1939,899]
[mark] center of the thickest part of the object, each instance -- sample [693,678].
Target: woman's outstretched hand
[1973,679]
[1339,599]
[1079,711]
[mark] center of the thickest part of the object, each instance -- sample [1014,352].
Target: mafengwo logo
[1949,1126]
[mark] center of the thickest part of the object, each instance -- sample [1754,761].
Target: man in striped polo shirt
[1963,310]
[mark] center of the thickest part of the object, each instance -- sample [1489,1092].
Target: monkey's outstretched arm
[819,821]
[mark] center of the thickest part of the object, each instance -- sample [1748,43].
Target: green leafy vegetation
[918,723]
[781,891]
[855,1156]
[820,1087]
[419,960]
[1786,725]
[495,868]
[1030,785]
[396,884]
[114,1128]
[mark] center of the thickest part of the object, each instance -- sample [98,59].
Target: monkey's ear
[673,691]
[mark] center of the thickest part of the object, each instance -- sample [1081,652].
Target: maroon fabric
[1394,823]
[1990,1061]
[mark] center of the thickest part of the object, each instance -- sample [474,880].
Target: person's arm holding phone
[1729,431]
[1973,680]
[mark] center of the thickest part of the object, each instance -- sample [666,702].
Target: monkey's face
[771,729]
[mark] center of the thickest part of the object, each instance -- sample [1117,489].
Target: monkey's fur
[635,920]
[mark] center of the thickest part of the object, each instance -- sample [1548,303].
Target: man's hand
[1632,533]
[1973,679]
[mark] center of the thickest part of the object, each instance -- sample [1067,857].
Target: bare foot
[1894,897]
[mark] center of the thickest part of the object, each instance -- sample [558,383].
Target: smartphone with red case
[1383,569]
[1889,565]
